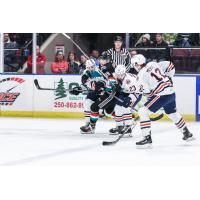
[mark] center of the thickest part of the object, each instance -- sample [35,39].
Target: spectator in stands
[20,38]
[183,40]
[41,61]
[194,39]
[95,56]
[145,42]
[60,66]
[73,63]
[9,54]
[133,53]
[82,66]
[160,54]
[170,38]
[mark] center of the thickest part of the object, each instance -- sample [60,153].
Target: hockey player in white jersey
[167,68]
[127,100]
[161,94]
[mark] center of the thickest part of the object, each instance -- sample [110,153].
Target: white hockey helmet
[138,61]
[90,64]
[120,71]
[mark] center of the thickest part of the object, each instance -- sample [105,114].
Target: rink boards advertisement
[58,100]
[19,96]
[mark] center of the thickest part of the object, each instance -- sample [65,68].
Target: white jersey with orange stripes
[154,81]
[129,83]
[167,67]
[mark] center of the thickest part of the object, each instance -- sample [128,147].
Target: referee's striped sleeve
[109,51]
[128,60]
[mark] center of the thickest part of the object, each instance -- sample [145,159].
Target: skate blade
[127,136]
[84,133]
[190,139]
[113,133]
[146,146]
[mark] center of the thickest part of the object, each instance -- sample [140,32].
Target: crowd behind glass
[179,48]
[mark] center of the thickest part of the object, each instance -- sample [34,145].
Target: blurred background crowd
[58,55]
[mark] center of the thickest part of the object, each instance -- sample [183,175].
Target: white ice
[33,141]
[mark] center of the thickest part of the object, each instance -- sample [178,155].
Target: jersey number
[157,75]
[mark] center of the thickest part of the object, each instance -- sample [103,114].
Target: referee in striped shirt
[119,55]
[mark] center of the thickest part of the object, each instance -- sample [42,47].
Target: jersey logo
[150,69]
[128,81]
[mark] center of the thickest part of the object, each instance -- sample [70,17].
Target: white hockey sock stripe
[118,118]
[127,116]
[181,123]
[145,124]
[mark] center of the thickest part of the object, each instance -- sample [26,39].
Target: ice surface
[34,141]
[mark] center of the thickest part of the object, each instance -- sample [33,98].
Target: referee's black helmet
[118,38]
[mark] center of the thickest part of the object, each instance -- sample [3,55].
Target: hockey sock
[119,115]
[178,120]
[145,122]
[127,116]
[87,109]
[94,116]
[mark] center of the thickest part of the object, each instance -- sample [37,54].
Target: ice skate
[126,130]
[145,143]
[88,129]
[86,125]
[114,131]
[187,135]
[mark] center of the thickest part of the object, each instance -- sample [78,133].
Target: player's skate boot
[126,130]
[88,129]
[187,135]
[114,131]
[83,127]
[145,143]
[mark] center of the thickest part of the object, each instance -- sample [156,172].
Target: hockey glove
[125,102]
[76,90]
[84,78]
[116,88]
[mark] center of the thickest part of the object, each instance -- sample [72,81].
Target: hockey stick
[53,89]
[68,37]
[107,143]
[153,119]
[40,88]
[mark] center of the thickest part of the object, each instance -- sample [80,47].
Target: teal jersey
[111,82]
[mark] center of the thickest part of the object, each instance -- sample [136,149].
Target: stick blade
[36,83]
[106,143]
[157,117]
